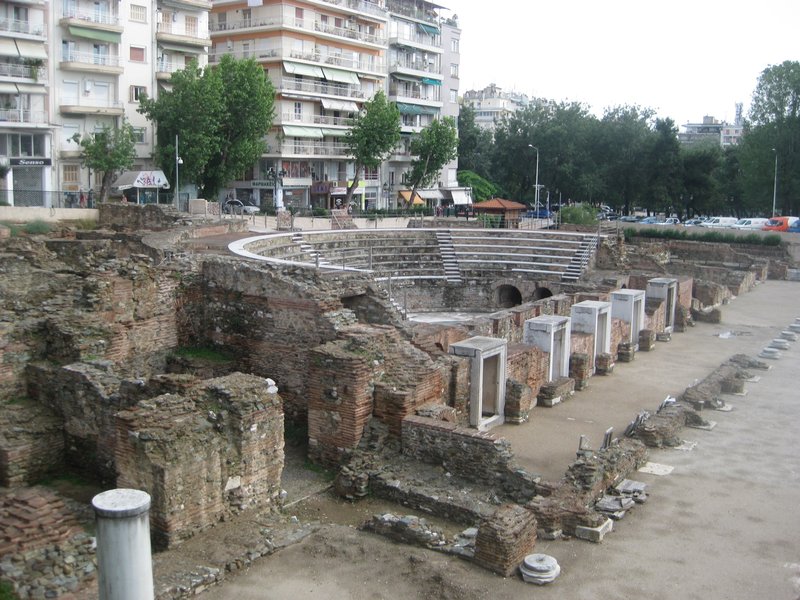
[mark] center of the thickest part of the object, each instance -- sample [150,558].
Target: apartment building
[711,130]
[492,105]
[73,66]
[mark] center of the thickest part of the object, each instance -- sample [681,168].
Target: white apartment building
[492,104]
[73,66]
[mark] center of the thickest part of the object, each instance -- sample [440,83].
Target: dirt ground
[723,524]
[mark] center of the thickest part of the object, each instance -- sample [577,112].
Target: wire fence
[73,199]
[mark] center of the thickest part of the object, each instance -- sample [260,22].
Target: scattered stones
[594,534]
[539,569]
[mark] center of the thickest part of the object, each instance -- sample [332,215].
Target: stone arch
[541,293]
[508,296]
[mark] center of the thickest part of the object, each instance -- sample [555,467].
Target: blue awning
[431,81]
[429,29]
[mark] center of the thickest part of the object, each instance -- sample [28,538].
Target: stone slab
[656,469]
[594,534]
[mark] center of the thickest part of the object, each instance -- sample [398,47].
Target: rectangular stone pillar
[628,305]
[593,317]
[551,334]
[487,389]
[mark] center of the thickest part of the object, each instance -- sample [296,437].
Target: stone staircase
[309,251]
[449,260]
[581,258]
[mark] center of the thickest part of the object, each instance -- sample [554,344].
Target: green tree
[109,152]
[433,148]
[482,189]
[221,116]
[373,135]
[664,167]
[774,129]
[700,192]
[474,144]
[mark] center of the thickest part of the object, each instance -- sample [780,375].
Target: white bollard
[124,565]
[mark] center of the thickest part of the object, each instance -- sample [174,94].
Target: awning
[406,78]
[7,88]
[302,132]
[33,49]
[429,29]
[342,191]
[333,132]
[415,109]
[27,88]
[8,47]
[141,179]
[431,81]
[341,76]
[343,105]
[184,49]
[460,197]
[301,69]
[406,196]
[430,194]
[94,34]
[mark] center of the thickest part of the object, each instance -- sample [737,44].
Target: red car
[779,223]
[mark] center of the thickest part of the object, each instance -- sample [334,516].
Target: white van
[720,222]
[756,224]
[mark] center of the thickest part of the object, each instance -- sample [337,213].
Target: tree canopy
[433,148]
[221,116]
[373,135]
[109,152]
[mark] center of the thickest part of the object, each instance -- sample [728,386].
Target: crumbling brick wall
[505,539]
[31,442]
[620,332]
[213,452]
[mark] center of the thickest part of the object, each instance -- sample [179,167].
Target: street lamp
[536,184]
[775,184]
[178,163]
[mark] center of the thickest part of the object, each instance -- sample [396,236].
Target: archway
[508,296]
[541,293]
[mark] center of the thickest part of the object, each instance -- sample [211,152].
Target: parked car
[629,219]
[237,207]
[542,213]
[754,223]
[670,221]
[692,222]
[649,221]
[779,224]
[794,227]
[719,222]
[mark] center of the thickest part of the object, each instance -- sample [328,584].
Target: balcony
[94,19]
[399,7]
[416,94]
[322,149]
[14,71]
[371,8]
[415,66]
[15,27]
[350,33]
[88,105]
[367,64]
[165,68]
[179,34]
[90,62]
[320,88]
[10,116]
[291,119]
[423,41]
[192,4]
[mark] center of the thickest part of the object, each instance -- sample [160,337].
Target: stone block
[594,534]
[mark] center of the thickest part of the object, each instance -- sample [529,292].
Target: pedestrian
[82,200]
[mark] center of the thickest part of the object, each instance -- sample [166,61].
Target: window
[298,111]
[247,16]
[138,13]
[298,17]
[139,135]
[137,54]
[245,49]
[454,70]
[222,21]
[137,93]
[453,95]
[191,26]
[70,173]
[454,45]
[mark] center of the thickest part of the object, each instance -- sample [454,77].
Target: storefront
[141,187]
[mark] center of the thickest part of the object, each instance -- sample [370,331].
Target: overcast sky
[685,59]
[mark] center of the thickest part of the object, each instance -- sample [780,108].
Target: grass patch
[86,224]
[319,470]
[718,237]
[37,227]
[208,354]
[15,228]
[7,591]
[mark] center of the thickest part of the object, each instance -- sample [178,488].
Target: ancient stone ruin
[138,357]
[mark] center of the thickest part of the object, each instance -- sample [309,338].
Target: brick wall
[31,443]
[202,456]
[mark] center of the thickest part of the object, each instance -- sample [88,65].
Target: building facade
[711,130]
[492,104]
[74,66]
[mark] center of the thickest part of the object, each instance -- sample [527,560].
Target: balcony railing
[364,63]
[315,148]
[313,87]
[290,118]
[22,71]
[420,38]
[167,66]
[417,65]
[90,102]
[90,58]
[418,94]
[371,8]
[400,8]
[90,16]
[19,115]
[17,26]
[179,29]
[310,24]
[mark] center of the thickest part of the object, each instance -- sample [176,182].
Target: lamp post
[178,163]
[775,184]
[536,184]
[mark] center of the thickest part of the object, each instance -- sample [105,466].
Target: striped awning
[340,76]
[302,132]
[301,69]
